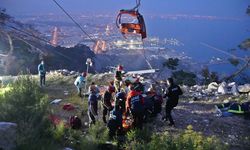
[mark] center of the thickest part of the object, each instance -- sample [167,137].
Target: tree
[186,78]
[208,76]
[234,61]
[243,63]
[171,63]
[3,16]
[248,10]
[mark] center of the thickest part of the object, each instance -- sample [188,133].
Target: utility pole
[89,64]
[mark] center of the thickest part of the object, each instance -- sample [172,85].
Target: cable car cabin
[132,28]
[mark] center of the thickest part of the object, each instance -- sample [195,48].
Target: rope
[144,55]
[39,38]
[76,23]
[138,3]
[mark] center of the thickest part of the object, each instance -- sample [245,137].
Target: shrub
[192,140]
[26,105]
[171,63]
[98,133]
[188,140]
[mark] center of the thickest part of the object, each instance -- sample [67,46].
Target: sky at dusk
[224,8]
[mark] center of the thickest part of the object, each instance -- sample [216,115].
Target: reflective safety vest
[236,108]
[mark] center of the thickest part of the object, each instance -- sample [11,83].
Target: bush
[188,140]
[26,105]
[171,63]
[98,133]
[192,140]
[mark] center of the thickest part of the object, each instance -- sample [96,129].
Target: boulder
[8,135]
[72,73]
[234,90]
[244,88]
[222,88]
[213,86]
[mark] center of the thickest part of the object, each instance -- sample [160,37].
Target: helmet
[111,89]
[119,68]
[84,74]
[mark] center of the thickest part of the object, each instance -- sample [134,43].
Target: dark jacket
[174,91]
[107,99]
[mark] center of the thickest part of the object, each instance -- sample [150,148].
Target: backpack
[75,122]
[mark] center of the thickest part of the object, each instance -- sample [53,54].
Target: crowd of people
[125,103]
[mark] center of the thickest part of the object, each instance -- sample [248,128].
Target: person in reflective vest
[135,105]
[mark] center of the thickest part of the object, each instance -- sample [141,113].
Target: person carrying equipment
[107,106]
[118,78]
[79,83]
[92,108]
[42,73]
[173,92]
[135,105]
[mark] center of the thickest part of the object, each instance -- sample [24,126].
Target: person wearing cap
[107,98]
[172,93]
[118,78]
[79,83]
[42,73]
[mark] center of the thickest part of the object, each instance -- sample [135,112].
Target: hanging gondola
[130,27]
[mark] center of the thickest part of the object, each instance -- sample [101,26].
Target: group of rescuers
[127,102]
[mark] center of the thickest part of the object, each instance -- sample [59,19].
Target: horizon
[223,8]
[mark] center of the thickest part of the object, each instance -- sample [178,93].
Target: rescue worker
[138,86]
[79,83]
[134,104]
[92,108]
[156,98]
[118,78]
[107,98]
[42,73]
[172,93]
[120,99]
[115,121]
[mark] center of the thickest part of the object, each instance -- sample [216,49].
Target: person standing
[42,73]
[172,93]
[118,78]
[92,108]
[107,98]
[135,105]
[79,83]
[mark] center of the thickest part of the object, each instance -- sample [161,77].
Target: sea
[221,33]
